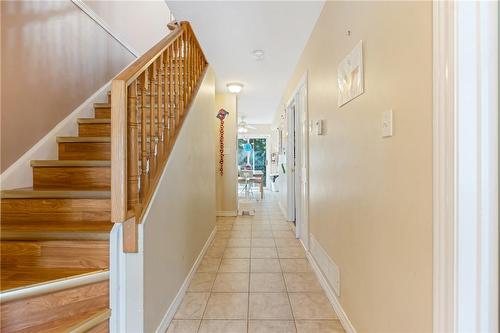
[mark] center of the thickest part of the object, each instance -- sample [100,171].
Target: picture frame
[350,75]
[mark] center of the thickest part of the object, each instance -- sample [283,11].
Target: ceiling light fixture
[243,126]
[258,54]
[234,87]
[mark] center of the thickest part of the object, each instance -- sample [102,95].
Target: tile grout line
[211,288]
[288,296]
[249,276]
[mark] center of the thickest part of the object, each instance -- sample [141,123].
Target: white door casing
[298,145]
[465,166]
[303,147]
[290,162]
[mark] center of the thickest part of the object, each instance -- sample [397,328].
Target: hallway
[255,278]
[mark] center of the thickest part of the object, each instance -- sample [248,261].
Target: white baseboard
[169,315]
[326,264]
[19,174]
[226,213]
[344,320]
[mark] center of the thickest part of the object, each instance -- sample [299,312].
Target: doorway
[253,155]
[298,162]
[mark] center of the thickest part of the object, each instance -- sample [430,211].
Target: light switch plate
[387,124]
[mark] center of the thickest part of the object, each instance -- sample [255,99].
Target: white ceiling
[229,31]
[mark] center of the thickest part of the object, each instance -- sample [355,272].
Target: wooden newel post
[118,151]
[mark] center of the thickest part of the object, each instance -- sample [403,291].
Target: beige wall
[182,214]
[53,58]
[371,198]
[226,185]
[140,24]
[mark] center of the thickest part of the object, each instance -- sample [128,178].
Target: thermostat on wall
[387,124]
[319,127]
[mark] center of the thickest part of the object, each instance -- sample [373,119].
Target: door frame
[290,162]
[465,166]
[298,182]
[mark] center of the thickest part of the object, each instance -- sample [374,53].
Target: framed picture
[350,75]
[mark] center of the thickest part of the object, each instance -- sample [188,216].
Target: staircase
[55,236]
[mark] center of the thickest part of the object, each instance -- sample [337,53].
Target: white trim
[476,84]
[297,200]
[290,177]
[465,167]
[53,286]
[326,264]
[226,213]
[302,188]
[117,311]
[19,174]
[97,19]
[443,167]
[337,307]
[126,290]
[167,318]
[302,81]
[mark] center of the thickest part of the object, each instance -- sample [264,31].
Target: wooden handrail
[149,102]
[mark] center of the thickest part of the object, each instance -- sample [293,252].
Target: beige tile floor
[255,278]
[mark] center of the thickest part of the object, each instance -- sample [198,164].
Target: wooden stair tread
[85,322]
[94,121]
[29,193]
[96,139]
[102,105]
[76,303]
[27,235]
[76,324]
[70,163]
[57,227]
[20,277]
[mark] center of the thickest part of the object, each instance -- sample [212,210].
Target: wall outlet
[387,124]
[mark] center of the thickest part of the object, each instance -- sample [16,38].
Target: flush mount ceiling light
[234,87]
[258,54]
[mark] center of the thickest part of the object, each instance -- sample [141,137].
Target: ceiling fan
[243,126]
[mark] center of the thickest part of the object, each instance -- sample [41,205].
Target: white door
[303,144]
[297,185]
[301,183]
[290,163]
